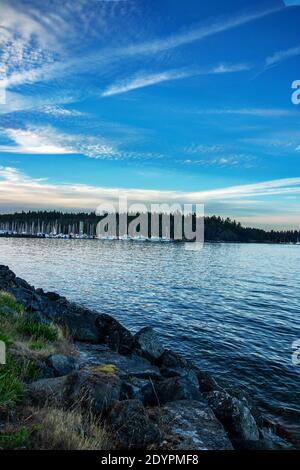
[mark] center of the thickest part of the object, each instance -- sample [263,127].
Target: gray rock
[51,390]
[95,390]
[138,389]
[98,355]
[172,364]
[148,342]
[207,383]
[131,425]
[62,365]
[234,415]
[190,425]
[171,360]
[115,335]
[172,389]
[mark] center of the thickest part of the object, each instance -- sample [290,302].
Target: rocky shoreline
[147,396]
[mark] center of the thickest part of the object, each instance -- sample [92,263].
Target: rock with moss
[127,366]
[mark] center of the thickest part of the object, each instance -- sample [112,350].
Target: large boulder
[61,364]
[50,390]
[131,425]
[171,360]
[148,342]
[115,335]
[171,389]
[127,366]
[96,390]
[190,425]
[172,364]
[235,416]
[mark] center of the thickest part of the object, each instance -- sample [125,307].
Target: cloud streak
[28,63]
[281,56]
[17,189]
[255,112]
[221,25]
[146,80]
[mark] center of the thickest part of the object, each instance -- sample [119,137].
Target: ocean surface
[233,308]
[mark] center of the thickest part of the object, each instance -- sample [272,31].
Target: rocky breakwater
[148,397]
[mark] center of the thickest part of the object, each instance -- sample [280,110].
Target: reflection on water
[233,308]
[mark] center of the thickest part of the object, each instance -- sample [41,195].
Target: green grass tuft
[15,438]
[37,331]
[37,345]
[11,384]
[9,302]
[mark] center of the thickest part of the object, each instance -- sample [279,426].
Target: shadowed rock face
[189,424]
[235,416]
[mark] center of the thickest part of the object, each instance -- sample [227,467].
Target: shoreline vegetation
[76,378]
[54,224]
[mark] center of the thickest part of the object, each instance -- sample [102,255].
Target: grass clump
[14,438]
[58,429]
[37,345]
[7,301]
[11,382]
[20,366]
[37,331]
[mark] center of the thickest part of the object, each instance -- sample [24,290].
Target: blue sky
[162,100]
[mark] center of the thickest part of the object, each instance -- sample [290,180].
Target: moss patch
[105,369]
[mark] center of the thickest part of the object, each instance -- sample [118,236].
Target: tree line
[215,228]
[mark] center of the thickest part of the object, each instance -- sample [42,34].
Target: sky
[159,100]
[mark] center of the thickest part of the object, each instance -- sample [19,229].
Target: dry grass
[58,429]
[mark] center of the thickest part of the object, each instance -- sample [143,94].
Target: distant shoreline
[136,240]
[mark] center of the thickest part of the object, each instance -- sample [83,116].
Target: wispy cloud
[237,160]
[48,141]
[281,56]
[17,189]
[31,142]
[60,111]
[196,34]
[256,112]
[144,80]
[148,79]
[195,149]
[58,33]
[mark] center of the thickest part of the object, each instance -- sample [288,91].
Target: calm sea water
[232,308]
